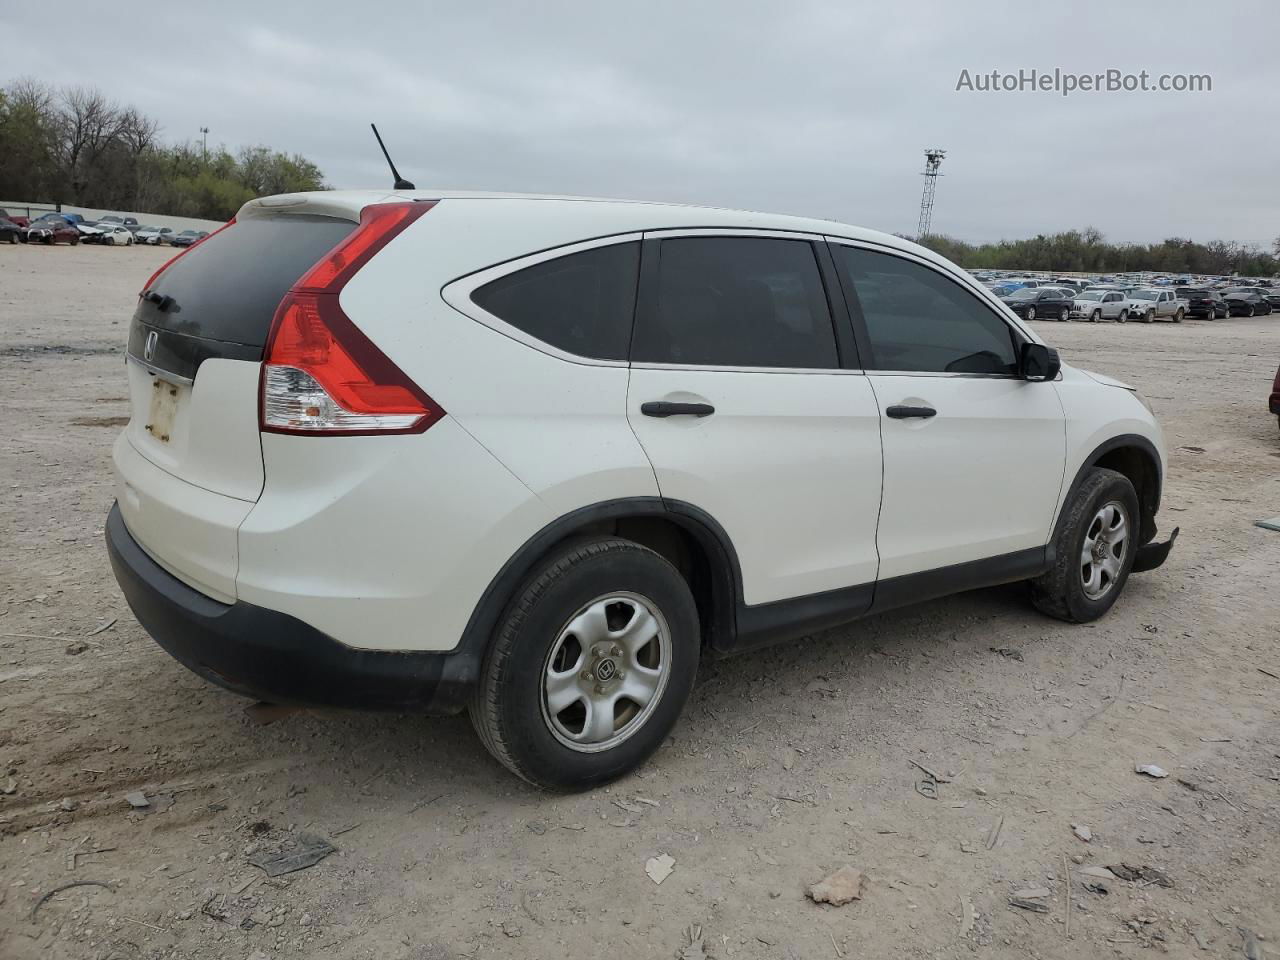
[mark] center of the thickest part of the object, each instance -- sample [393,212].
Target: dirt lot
[788,763]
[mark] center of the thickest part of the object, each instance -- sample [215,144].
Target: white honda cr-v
[533,457]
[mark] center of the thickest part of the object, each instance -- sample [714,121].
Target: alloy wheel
[1102,555]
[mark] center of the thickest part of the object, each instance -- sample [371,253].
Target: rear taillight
[321,374]
[185,250]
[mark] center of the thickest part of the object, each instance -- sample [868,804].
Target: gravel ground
[789,763]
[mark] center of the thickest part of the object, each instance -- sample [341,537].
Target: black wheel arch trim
[1148,500]
[710,536]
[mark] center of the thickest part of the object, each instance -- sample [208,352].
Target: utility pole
[932,161]
[204,142]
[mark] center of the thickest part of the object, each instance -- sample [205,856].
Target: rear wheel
[591,666]
[1249,311]
[1031,313]
[1124,315]
[1094,547]
[1064,315]
[1177,317]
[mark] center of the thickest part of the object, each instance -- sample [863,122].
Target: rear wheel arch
[689,538]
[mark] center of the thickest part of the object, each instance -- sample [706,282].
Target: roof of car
[628,215]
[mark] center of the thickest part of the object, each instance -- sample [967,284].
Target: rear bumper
[272,656]
[1273,403]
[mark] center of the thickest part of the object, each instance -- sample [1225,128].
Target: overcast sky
[820,108]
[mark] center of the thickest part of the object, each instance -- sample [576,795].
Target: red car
[1273,404]
[20,221]
[51,229]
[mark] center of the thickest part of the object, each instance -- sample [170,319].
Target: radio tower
[932,161]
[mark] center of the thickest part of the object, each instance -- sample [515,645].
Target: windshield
[1143,295]
[1026,293]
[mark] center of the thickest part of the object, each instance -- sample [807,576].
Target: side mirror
[1038,362]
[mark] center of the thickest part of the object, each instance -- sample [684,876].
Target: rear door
[750,405]
[973,455]
[190,459]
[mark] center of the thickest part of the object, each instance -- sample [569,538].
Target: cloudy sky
[814,107]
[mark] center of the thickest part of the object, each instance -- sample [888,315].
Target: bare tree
[87,123]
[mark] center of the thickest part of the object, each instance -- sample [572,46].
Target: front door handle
[665,408]
[901,412]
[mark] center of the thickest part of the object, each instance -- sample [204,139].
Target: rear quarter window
[582,303]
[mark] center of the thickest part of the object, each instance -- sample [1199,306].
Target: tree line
[73,145]
[1086,251]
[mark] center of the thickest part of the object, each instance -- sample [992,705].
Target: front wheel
[1064,315]
[1095,316]
[590,667]
[1149,316]
[1250,311]
[1094,546]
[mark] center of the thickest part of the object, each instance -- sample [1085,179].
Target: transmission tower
[932,161]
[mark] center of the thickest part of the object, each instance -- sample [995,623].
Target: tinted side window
[922,321]
[582,303]
[737,302]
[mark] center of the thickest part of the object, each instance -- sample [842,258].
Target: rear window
[229,286]
[582,303]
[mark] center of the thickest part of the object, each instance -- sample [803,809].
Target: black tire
[1149,316]
[507,708]
[1177,317]
[1095,317]
[1031,313]
[1123,316]
[1250,311]
[1060,591]
[1064,315]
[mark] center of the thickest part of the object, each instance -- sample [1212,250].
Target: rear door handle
[665,408]
[901,412]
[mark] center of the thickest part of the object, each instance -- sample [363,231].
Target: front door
[973,455]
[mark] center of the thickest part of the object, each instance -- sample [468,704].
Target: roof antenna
[401,182]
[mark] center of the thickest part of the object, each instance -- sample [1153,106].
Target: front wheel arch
[1136,458]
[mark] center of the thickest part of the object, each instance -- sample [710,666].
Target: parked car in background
[51,229]
[14,218]
[154,236]
[114,218]
[1203,303]
[1272,294]
[395,452]
[111,234]
[1095,305]
[9,231]
[1034,303]
[1246,302]
[187,237]
[1147,305]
